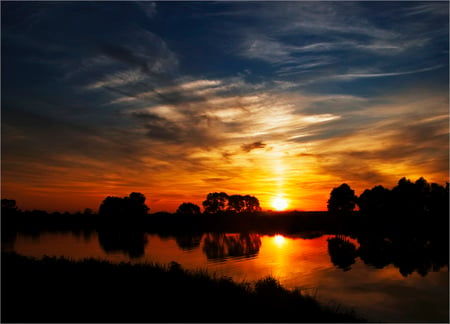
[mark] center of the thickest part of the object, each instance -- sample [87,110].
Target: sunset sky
[176,100]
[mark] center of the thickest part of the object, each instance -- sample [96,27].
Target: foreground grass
[60,290]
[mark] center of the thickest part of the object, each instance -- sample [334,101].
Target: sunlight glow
[279,240]
[280,203]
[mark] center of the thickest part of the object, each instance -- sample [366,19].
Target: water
[334,269]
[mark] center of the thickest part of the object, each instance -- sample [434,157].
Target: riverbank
[61,290]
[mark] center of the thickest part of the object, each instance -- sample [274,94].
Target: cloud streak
[269,99]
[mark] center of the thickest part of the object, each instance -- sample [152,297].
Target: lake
[380,279]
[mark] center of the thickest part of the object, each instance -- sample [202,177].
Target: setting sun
[280,203]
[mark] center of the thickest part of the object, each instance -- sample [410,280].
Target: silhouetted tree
[375,200]
[136,202]
[418,203]
[252,204]
[236,203]
[215,202]
[88,211]
[188,209]
[8,205]
[8,221]
[342,199]
[247,203]
[133,205]
[404,197]
[112,206]
[439,200]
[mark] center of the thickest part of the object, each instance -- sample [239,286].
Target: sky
[179,99]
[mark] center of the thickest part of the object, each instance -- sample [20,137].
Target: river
[372,277]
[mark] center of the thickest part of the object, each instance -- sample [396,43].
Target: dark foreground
[60,290]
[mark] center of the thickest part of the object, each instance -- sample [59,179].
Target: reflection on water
[383,278]
[129,242]
[218,247]
[342,252]
[188,241]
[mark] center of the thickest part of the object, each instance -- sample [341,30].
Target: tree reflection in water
[219,246]
[129,241]
[188,241]
[407,252]
[342,252]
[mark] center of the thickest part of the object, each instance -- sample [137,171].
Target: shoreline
[99,291]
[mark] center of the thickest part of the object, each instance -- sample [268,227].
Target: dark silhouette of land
[59,290]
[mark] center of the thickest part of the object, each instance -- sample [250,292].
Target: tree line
[215,202]
[414,197]
[417,197]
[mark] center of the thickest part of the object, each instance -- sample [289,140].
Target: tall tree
[247,203]
[375,200]
[215,202]
[188,209]
[342,199]
[133,205]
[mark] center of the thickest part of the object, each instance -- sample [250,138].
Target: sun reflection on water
[279,240]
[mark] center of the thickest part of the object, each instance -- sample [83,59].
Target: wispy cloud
[265,104]
[253,146]
[149,8]
[352,76]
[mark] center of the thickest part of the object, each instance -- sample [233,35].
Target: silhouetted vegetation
[220,201]
[124,208]
[9,205]
[188,209]
[59,290]
[408,205]
[342,199]
[215,202]
[121,226]
[247,203]
[417,202]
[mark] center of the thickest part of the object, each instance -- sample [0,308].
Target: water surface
[335,269]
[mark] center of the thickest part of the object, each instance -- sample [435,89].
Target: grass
[60,290]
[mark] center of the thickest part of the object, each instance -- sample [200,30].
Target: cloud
[252,146]
[143,49]
[188,131]
[432,9]
[149,8]
[352,76]
[273,110]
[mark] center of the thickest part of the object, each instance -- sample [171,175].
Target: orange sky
[289,100]
[304,173]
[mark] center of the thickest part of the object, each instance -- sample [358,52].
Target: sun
[280,203]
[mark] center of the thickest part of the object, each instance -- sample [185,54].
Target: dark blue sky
[105,98]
